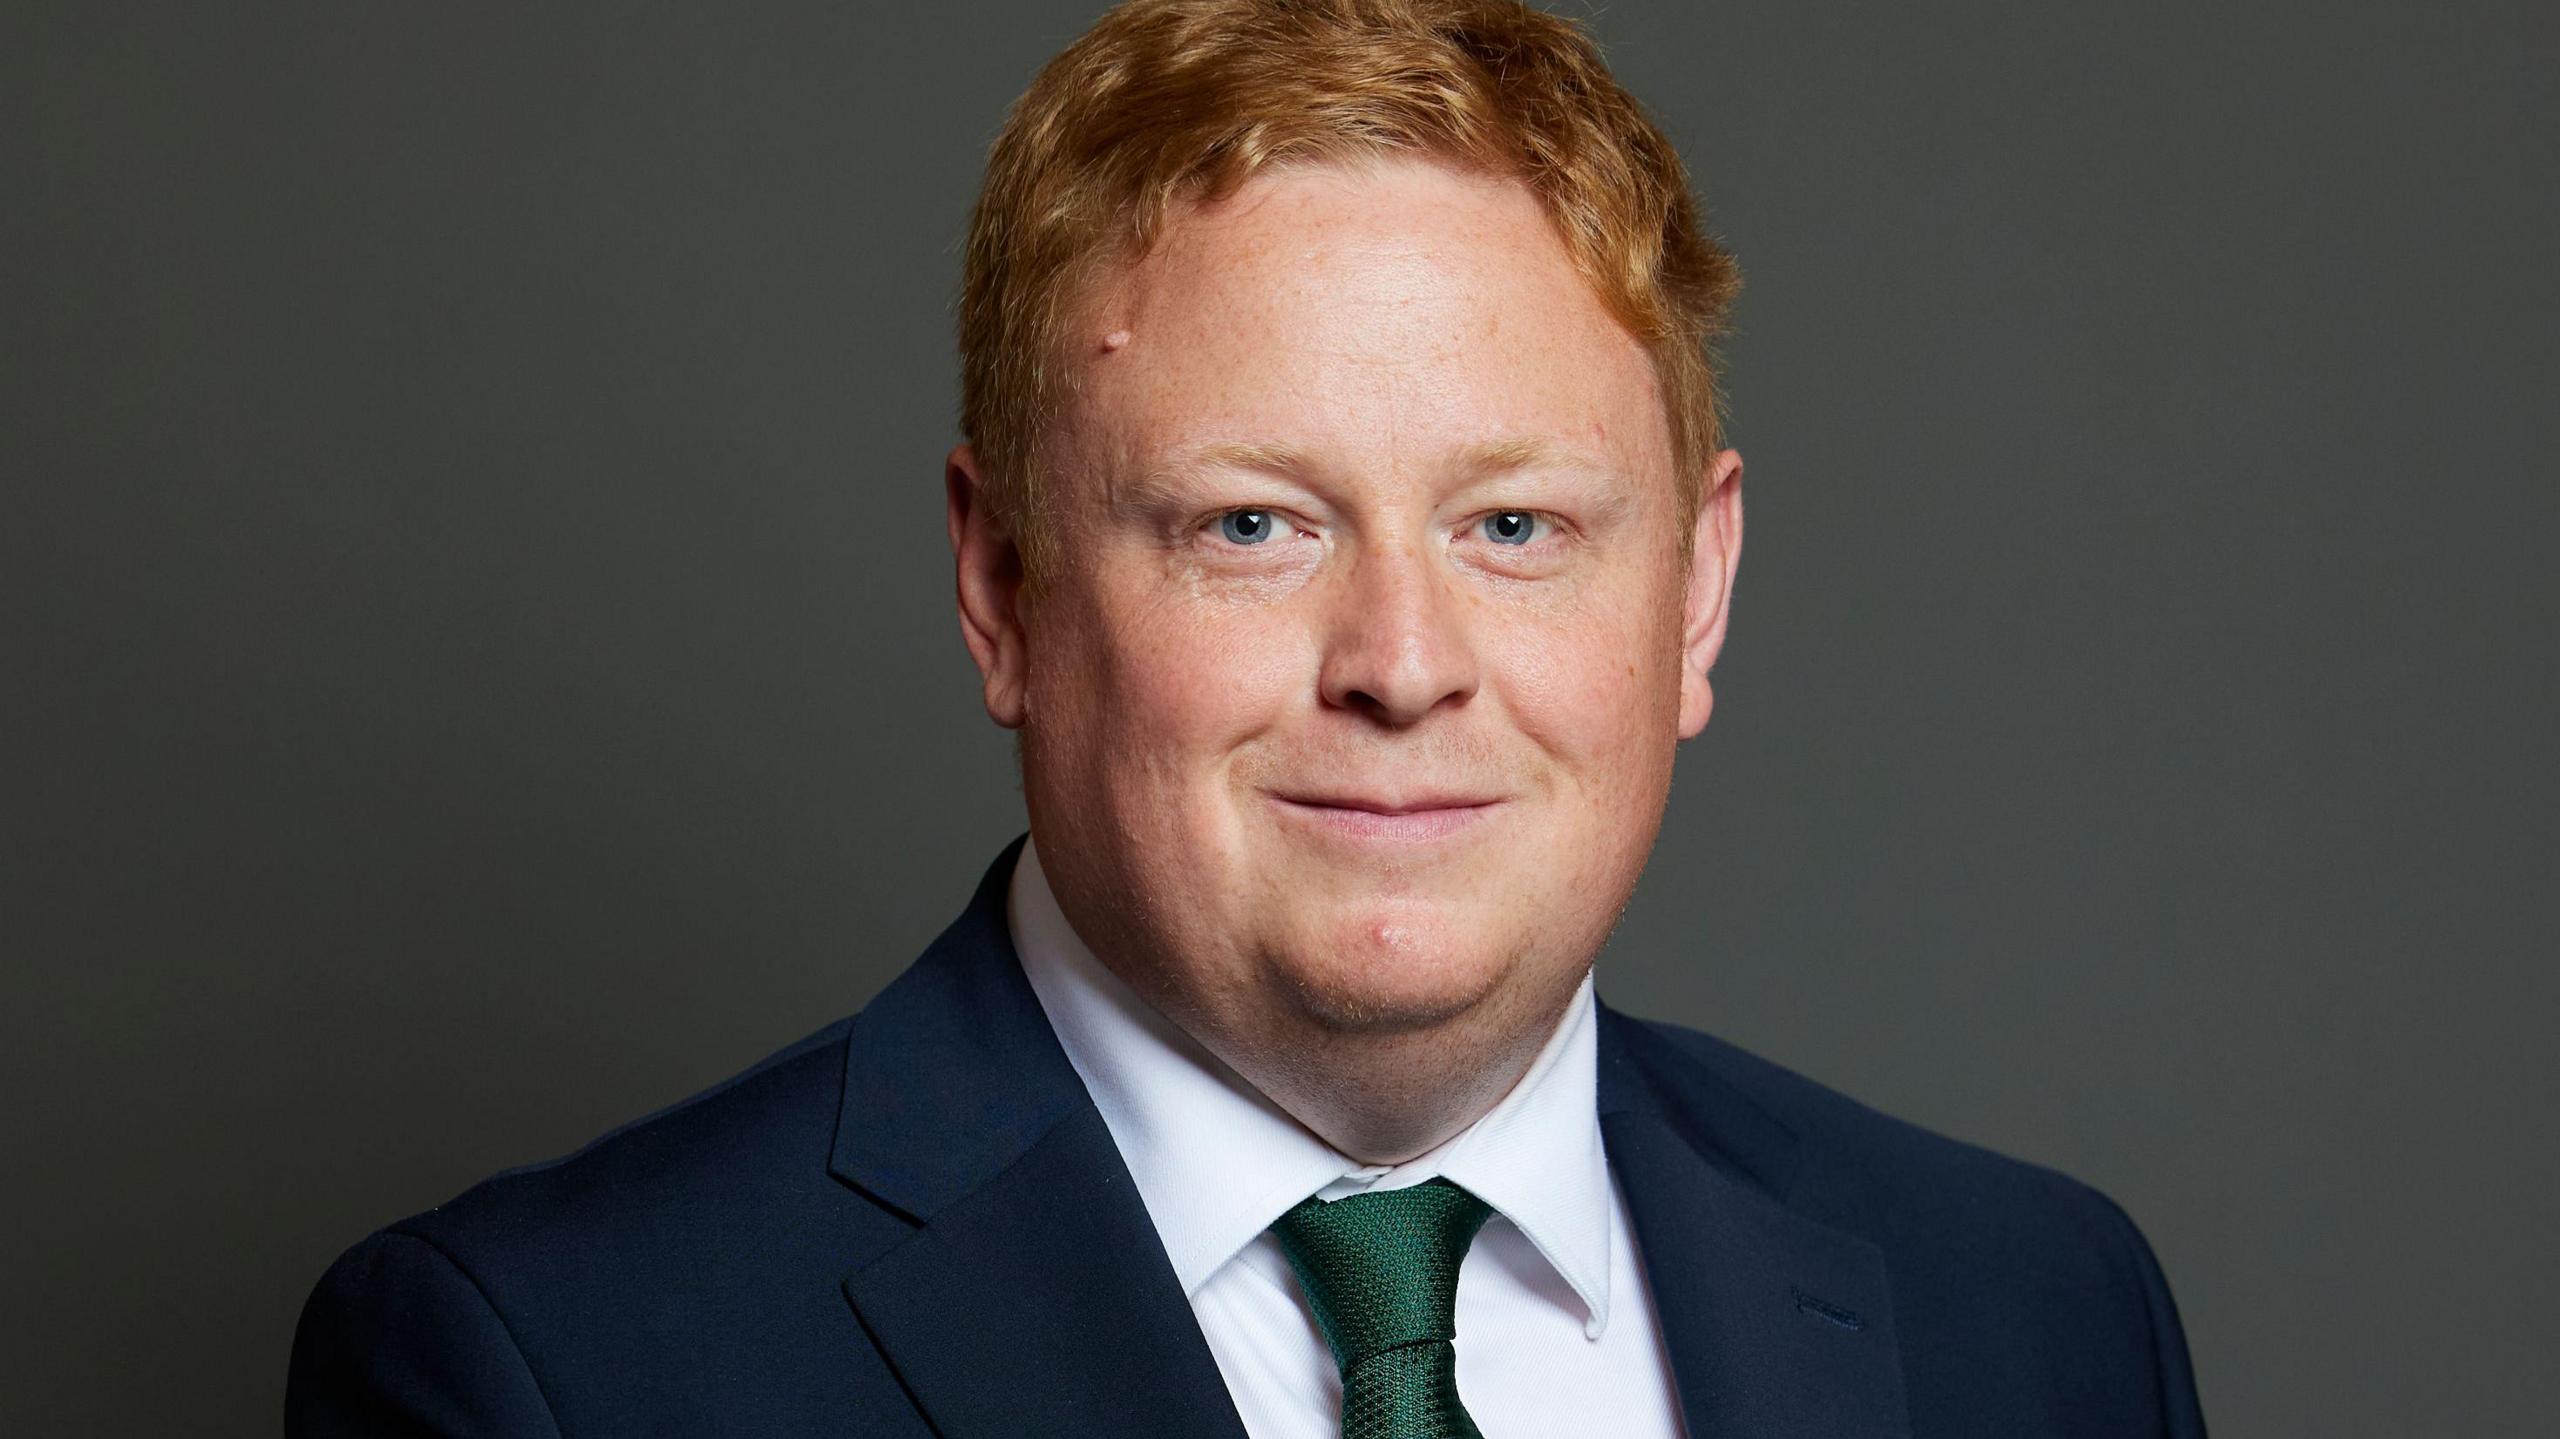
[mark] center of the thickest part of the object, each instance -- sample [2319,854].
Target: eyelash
[1552,523]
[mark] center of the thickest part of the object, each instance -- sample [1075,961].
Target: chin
[1395,973]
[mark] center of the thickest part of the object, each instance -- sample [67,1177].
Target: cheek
[1160,685]
[1597,686]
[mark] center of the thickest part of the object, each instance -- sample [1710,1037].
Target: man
[1344,528]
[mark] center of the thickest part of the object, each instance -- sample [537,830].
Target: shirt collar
[1216,1161]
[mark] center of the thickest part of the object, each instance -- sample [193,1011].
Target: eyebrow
[1164,485]
[1227,455]
[1482,460]
[1494,457]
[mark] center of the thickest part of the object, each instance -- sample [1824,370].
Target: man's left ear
[1715,549]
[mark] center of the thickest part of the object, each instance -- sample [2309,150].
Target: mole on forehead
[1114,340]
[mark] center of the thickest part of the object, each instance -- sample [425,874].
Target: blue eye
[1246,527]
[1510,527]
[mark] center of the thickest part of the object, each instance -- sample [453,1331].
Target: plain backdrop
[480,658]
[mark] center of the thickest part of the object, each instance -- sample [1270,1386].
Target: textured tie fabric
[1381,1272]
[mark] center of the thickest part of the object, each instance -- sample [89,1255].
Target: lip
[1410,819]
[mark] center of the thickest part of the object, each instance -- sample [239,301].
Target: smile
[1355,820]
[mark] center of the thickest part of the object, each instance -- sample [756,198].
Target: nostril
[1388,712]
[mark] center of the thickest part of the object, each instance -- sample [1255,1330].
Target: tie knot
[1381,1270]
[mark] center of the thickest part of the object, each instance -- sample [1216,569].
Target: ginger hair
[1168,102]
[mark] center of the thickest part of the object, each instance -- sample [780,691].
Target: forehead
[1384,312]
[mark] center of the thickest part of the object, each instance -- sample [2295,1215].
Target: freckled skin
[1381,323]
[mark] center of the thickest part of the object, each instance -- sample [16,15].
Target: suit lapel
[1778,1326]
[1043,1304]
[1032,1295]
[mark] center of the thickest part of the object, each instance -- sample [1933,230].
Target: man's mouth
[1410,817]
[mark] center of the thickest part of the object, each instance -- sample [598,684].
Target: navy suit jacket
[915,1223]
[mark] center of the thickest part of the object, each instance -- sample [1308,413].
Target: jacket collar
[951,1073]
[1033,1295]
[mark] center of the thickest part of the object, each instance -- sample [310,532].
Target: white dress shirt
[1556,1330]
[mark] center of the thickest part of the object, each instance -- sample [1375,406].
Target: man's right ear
[990,582]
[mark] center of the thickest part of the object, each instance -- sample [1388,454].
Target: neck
[1384,1097]
[1379,1090]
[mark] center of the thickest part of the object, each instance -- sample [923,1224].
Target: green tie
[1381,1272]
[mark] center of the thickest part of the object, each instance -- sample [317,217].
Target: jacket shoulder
[1878,1159]
[599,1289]
[724,1156]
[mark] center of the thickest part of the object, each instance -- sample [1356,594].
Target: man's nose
[1398,644]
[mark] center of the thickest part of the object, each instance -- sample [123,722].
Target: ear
[990,582]
[1715,549]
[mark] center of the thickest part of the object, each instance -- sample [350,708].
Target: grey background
[480,661]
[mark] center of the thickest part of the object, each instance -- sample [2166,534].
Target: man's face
[1352,707]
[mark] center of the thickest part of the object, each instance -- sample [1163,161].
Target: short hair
[1170,101]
